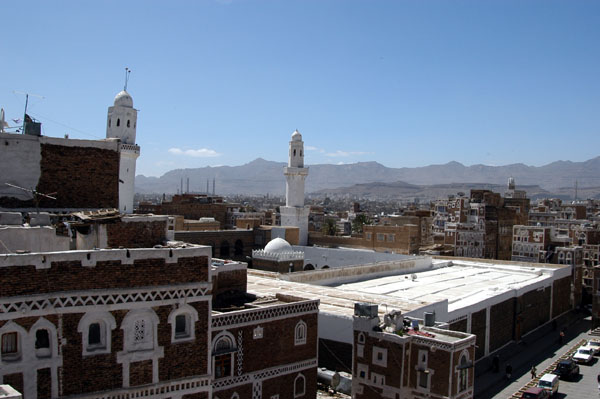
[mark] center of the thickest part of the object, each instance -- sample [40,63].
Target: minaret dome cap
[296,136]
[123,99]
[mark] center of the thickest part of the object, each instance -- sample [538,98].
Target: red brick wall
[502,323]
[44,382]
[136,234]
[278,336]
[140,373]
[244,391]
[233,280]
[82,177]
[67,276]
[478,328]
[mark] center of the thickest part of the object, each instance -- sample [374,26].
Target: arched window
[95,329]
[294,152]
[109,121]
[11,342]
[309,267]
[128,123]
[140,330]
[224,249]
[239,248]
[299,386]
[463,373]
[223,350]
[118,122]
[300,333]
[361,338]
[183,321]
[43,335]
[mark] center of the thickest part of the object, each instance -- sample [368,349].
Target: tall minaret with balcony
[122,124]
[294,213]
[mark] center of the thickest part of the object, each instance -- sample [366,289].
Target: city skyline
[405,84]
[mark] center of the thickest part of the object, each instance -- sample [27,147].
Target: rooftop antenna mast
[127,72]
[26,103]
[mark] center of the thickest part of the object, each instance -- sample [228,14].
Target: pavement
[541,349]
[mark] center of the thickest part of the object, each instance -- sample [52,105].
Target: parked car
[549,382]
[594,344]
[535,393]
[584,355]
[566,369]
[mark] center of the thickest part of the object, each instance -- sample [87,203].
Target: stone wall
[136,234]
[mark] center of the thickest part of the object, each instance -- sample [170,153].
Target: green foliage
[358,222]
[329,228]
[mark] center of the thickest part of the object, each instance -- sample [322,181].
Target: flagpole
[25,113]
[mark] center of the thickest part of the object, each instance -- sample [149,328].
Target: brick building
[401,361]
[161,322]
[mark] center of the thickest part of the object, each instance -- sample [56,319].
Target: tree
[359,221]
[329,227]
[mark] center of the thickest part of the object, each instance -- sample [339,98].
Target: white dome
[296,136]
[123,99]
[278,245]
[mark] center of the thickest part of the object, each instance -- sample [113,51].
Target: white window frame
[44,324]
[107,324]
[12,327]
[300,332]
[296,393]
[191,317]
[464,355]
[216,339]
[360,367]
[151,321]
[379,351]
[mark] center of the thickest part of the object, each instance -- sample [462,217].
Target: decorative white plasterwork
[191,317]
[105,300]
[247,317]
[227,383]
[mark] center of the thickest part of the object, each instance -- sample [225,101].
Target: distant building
[294,213]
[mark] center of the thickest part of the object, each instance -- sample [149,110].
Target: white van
[549,382]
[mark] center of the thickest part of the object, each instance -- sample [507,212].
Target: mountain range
[261,177]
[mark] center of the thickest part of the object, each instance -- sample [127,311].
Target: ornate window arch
[462,369]
[96,328]
[183,321]
[43,334]
[300,333]
[299,386]
[11,342]
[140,330]
[223,350]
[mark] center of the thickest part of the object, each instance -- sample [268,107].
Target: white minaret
[121,124]
[294,213]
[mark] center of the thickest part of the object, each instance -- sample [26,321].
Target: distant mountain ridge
[261,176]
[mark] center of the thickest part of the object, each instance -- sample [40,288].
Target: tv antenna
[127,72]
[25,116]
[35,194]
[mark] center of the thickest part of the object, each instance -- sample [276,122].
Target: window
[368,236]
[94,335]
[391,237]
[379,356]
[223,350]
[109,122]
[294,152]
[299,386]
[95,329]
[183,321]
[300,333]
[42,342]
[257,333]
[423,379]
[9,345]
[463,371]
[118,122]
[128,123]
[361,338]
[380,237]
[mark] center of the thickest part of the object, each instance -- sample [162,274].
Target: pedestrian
[533,372]
[508,371]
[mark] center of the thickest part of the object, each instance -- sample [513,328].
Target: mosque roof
[123,99]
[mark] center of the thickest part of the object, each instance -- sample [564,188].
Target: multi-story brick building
[409,361]
[162,322]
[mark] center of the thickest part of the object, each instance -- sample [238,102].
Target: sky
[403,83]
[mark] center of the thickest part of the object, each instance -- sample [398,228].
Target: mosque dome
[278,245]
[123,99]
[296,136]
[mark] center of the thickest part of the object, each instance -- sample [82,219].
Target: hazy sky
[404,83]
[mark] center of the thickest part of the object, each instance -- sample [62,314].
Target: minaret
[294,213]
[122,124]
